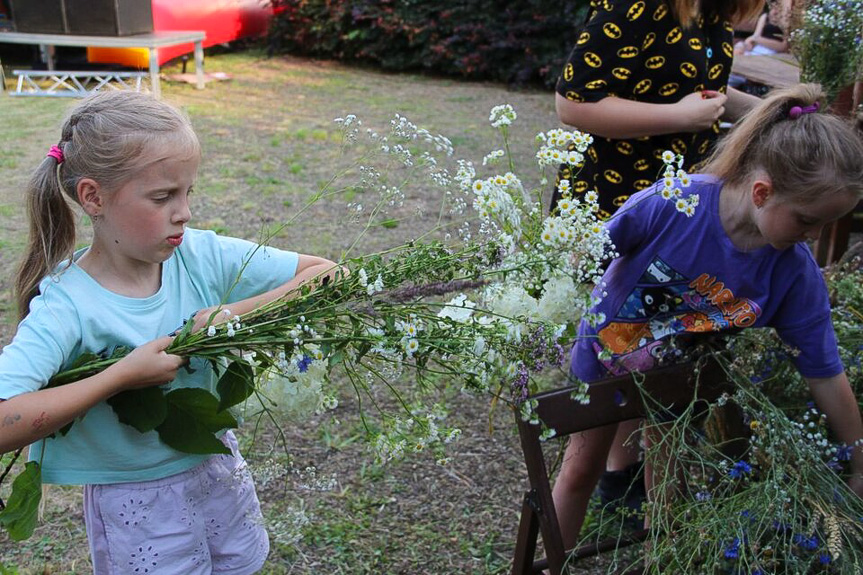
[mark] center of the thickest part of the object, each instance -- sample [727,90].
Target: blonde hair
[104,138]
[733,10]
[806,158]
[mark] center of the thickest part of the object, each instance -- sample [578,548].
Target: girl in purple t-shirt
[775,181]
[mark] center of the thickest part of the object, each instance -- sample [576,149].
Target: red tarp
[222,20]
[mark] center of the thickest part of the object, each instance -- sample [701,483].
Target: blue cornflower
[732,551]
[824,559]
[740,469]
[303,364]
[843,453]
[807,543]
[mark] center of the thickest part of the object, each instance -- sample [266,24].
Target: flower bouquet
[827,43]
[487,299]
[773,500]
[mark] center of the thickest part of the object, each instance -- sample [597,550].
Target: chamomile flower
[502,115]
[411,346]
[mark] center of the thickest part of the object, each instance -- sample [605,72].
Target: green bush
[515,42]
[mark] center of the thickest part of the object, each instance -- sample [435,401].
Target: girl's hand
[202,318]
[147,365]
[701,110]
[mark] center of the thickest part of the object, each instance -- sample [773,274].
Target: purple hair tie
[55,152]
[796,111]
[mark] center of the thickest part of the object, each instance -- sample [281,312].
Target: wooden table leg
[199,64]
[155,86]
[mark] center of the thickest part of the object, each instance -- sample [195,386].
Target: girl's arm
[620,118]
[836,400]
[31,416]
[308,268]
[758,37]
[738,104]
[753,38]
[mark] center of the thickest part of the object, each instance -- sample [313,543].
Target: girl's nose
[183,213]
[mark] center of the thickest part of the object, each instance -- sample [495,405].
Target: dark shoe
[624,488]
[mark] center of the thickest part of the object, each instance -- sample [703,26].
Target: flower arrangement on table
[777,502]
[827,42]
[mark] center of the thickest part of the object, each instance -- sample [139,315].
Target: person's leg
[146,527]
[236,537]
[583,463]
[622,483]
[625,449]
[662,477]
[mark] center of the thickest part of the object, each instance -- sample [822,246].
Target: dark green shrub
[515,42]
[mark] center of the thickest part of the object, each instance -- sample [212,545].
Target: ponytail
[805,155]
[106,138]
[52,231]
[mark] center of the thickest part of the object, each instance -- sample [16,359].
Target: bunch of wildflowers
[778,506]
[828,43]
[386,319]
[773,499]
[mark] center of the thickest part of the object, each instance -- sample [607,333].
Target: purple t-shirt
[678,275]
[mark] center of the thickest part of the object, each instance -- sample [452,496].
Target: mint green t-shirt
[74,315]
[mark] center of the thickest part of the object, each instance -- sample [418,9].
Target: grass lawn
[269,142]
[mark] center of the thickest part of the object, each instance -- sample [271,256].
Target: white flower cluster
[371,287]
[493,157]
[350,125]
[414,434]
[296,384]
[231,327]
[495,198]
[502,115]
[673,179]
[458,309]
[288,528]
[562,147]
[403,129]
[409,331]
[838,15]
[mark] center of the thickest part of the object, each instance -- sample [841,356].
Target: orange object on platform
[222,20]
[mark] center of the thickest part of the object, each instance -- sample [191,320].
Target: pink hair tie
[55,152]
[796,111]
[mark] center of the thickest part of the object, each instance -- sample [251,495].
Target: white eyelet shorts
[202,521]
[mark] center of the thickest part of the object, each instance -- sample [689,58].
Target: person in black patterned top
[647,76]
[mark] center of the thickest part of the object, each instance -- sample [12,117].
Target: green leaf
[86,358]
[144,409]
[22,507]
[185,332]
[236,384]
[336,358]
[193,419]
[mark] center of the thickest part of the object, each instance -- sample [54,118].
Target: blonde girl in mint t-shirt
[129,162]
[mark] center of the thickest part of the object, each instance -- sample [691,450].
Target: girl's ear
[762,190]
[90,196]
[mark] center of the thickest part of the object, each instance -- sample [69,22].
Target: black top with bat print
[636,49]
